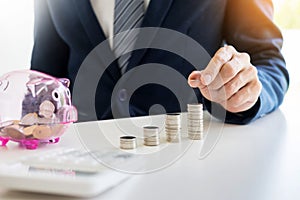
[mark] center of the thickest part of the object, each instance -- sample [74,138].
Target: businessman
[246,77]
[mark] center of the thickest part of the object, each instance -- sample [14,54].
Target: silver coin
[151,139]
[127,138]
[172,119]
[127,142]
[156,129]
[172,127]
[173,122]
[150,135]
[173,132]
[191,115]
[195,133]
[151,128]
[173,115]
[195,120]
[198,110]
[151,131]
[173,136]
[195,124]
[128,146]
[195,105]
[156,143]
[191,108]
[195,137]
[29,119]
[6,123]
[177,140]
[195,117]
[195,112]
[195,129]
[46,109]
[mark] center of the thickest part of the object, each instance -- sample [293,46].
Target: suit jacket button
[123,95]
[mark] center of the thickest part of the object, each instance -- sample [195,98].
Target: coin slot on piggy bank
[35,108]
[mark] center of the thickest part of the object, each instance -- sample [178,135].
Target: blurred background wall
[16,32]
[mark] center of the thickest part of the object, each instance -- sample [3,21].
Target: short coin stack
[173,126]
[151,135]
[127,142]
[195,121]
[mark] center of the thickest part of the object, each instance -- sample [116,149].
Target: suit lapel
[94,31]
[89,21]
[155,15]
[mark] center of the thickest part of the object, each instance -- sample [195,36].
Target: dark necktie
[128,15]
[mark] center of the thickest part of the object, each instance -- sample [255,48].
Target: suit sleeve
[50,53]
[249,28]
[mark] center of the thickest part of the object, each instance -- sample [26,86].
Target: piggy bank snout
[68,114]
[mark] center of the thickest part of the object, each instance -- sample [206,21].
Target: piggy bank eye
[55,95]
[68,93]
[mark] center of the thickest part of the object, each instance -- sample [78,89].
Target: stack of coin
[151,135]
[173,126]
[195,121]
[127,142]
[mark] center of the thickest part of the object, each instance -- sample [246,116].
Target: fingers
[226,61]
[194,80]
[245,98]
[240,80]
[229,79]
[230,70]
[239,94]
[213,68]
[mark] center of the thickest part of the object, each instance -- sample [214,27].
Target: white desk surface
[259,161]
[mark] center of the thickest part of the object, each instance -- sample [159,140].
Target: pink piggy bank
[35,108]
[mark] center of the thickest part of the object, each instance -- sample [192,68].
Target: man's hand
[229,79]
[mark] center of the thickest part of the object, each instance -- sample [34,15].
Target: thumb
[194,79]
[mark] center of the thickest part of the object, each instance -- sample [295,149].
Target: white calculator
[67,171]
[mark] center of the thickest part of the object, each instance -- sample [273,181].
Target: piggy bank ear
[3,85]
[64,81]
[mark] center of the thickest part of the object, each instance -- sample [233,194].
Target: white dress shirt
[104,10]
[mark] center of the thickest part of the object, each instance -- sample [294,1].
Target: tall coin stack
[151,135]
[195,121]
[173,126]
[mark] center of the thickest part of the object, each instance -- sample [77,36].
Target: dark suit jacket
[67,31]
